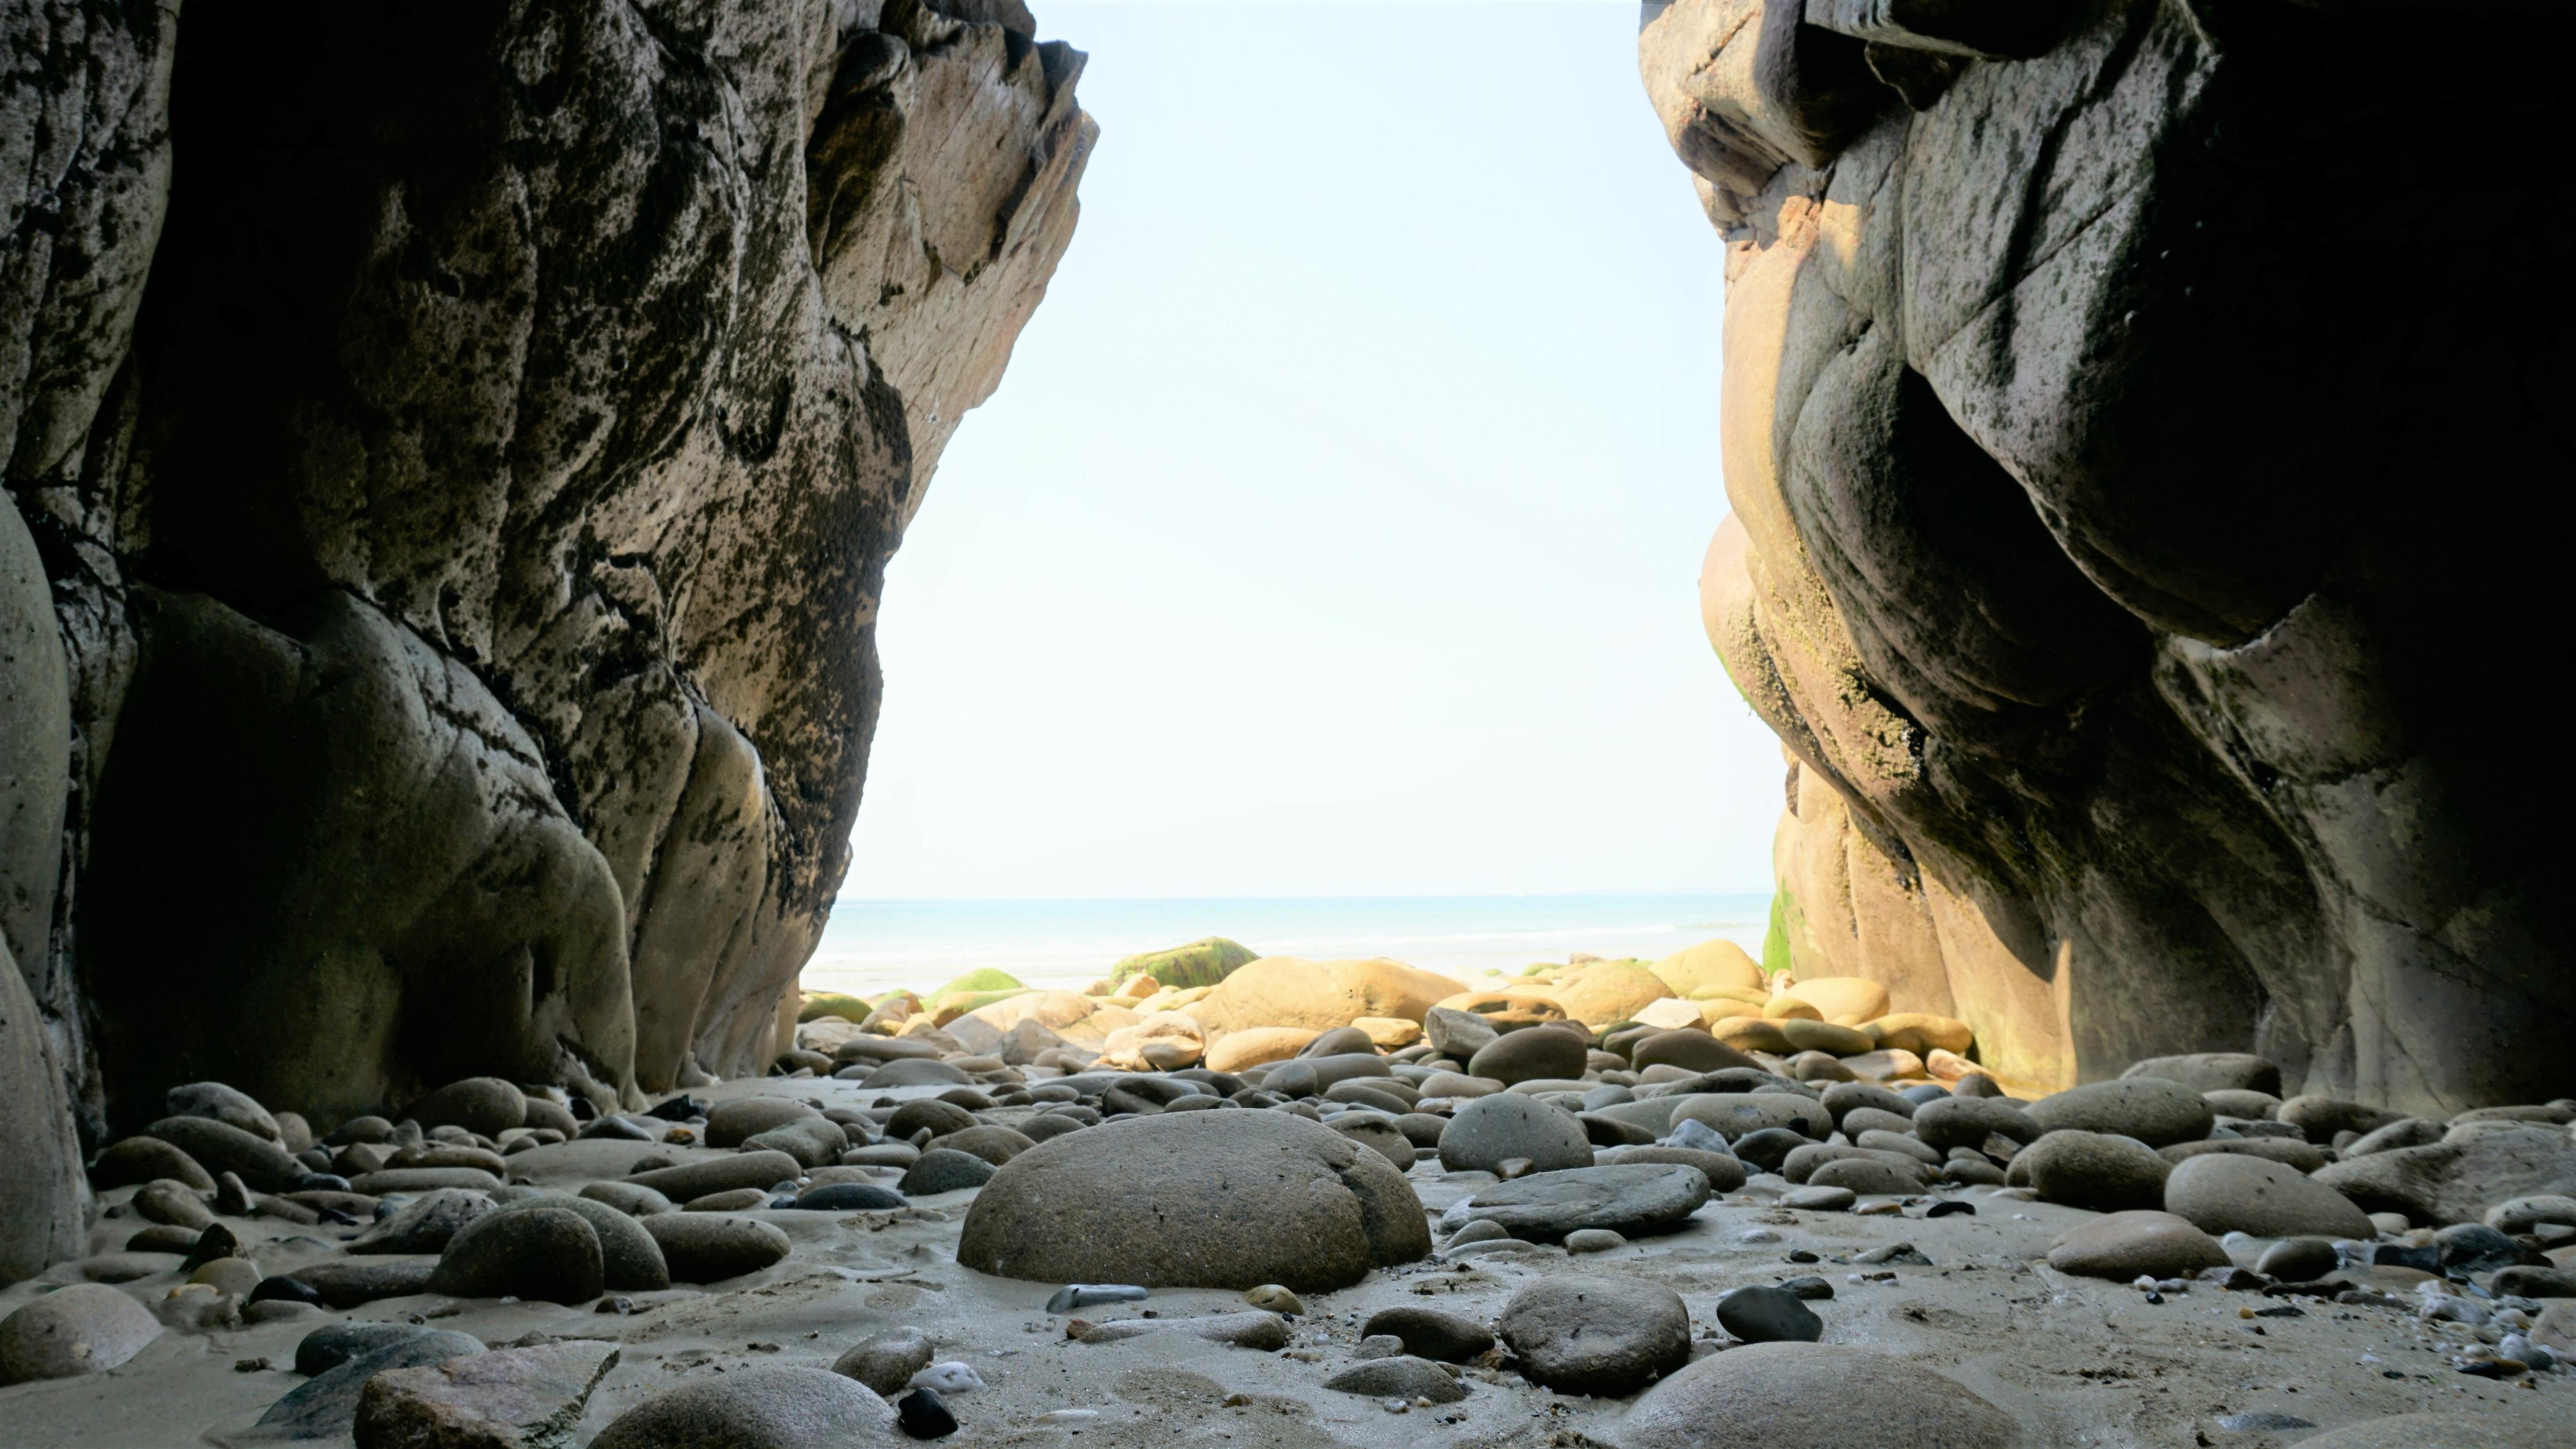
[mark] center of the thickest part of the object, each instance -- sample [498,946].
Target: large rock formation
[453,452]
[2144,462]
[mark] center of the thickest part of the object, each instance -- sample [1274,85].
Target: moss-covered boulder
[833,1003]
[1200,963]
[983,982]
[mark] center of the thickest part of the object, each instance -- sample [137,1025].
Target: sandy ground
[2077,1361]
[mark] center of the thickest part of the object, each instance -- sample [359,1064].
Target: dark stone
[334,1344]
[291,1290]
[922,1414]
[1430,1333]
[547,1253]
[941,1170]
[1759,1314]
[847,1197]
[1769,1147]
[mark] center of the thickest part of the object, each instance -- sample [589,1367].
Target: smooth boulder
[1486,1132]
[757,1408]
[1196,1199]
[1581,1335]
[2096,1170]
[712,1247]
[2222,1192]
[2153,1110]
[547,1253]
[2126,1245]
[1813,1396]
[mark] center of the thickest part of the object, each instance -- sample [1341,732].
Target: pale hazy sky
[1336,528]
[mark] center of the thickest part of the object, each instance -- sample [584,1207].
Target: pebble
[1795,1395]
[1431,1333]
[1403,1378]
[1378,1345]
[1769,1148]
[1489,1130]
[755,1408]
[922,1414]
[945,1170]
[85,1328]
[887,1361]
[239,1277]
[1593,1240]
[2298,1260]
[1820,1199]
[1272,1298]
[1086,1295]
[812,1141]
[1760,1314]
[2126,1245]
[950,1376]
[1265,1331]
[2526,1214]
[712,1247]
[1603,1336]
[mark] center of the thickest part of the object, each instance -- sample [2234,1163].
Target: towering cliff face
[454,451]
[2145,453]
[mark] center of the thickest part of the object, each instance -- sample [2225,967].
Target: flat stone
[1402,1377]
[1867,1177]
[1196,1199]
[1820,1199]
[1969,1121]
[2151,1109]
[2224,1193]
[1254,1329]
[1622,1198]
[128,1267]
[423,1179]
[1736,1114]
[219,1148]
[425,1224]
[730,1124]
[85,1328]
[1431,1333]
[519,1398]
[2213,1072]
[2126,1245]
[1605,1336]
[1488,1130]
[689,1180]
[2294,1152]
[327,1406]
[756,1408]
[1530,1054]
[914,1072]
[711,1247]
[347,1283]
[1763,1314]
[1812,1396]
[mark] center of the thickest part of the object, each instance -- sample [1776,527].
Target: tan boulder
[1322,995]
[1837,997]
[1389,1033]
[1946,1066]
[1920,1032]
[1165,1041]
[1257,1046]
[1710,967]
[1786,1008]
[982,1029]
[1719,1008]
[1598,993]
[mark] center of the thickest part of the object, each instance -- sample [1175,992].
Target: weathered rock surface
[2458,1181]
[1196,1199]
[1622,1198]
[523,1398]
[1812,1396]
[484,700]
[1596,1335]
[2018,561]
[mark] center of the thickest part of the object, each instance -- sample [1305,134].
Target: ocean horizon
[871,946]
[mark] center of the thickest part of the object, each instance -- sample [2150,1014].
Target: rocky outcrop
[2135,542]
[460,488]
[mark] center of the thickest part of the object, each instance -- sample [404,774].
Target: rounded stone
[1489,1130]
[2096,1170]
[1608,1336]
[2155,1111]
[995,1145]
[1533,1054]
[1692,1051]
[219,1148]
[914,1072]
[228,1105]
[887,1361]
[939,1117]
[1724,1172]
[2299,1260]
[943,1170]
[630,1261]
[484,1106]
[756,1408]
[1813,1396]
[1867,1177]
[1734,1114]
[1968,1121]
[1431,1333]
[542,1252]
[845,1197]
[628,1198]
[1196,1199]
[145,1159]
[2224,1193]
[1824,1036]
[1593,1240]
[86,1328]
[712,1247]
[730,1124]
[2128,1245]
[1764,1314]
[2213,1072]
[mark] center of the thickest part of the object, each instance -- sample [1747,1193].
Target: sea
[874,946]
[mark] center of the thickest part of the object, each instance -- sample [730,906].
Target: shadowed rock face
[463,443]
[2139,541]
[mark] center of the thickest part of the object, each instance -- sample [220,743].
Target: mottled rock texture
[461,485]
[2138,545]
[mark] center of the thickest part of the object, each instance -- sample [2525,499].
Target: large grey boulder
[2458,1181]
[1195,1199]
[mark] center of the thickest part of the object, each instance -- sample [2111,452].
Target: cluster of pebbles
[1553,1185]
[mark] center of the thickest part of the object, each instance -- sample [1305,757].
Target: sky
[1336,527]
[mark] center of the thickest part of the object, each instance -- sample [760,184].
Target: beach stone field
[1225,1201]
